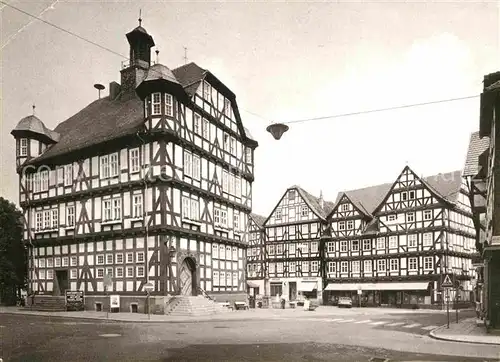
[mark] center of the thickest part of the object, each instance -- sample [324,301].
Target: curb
[141,320]
[458,339]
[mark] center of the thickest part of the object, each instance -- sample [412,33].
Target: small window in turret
[156,108]
[23,149]
[169,107]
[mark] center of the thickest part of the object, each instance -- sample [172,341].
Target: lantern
[277,130]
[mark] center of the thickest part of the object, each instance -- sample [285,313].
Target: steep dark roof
[314,202]
[367,199]
[476,147]
[33,124]
[105,119]
[258,219]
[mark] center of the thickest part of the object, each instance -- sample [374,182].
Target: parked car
[345,302]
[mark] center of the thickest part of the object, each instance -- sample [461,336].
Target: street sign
[108,281]
[447,283]
[148,287]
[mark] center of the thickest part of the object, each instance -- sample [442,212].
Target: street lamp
[277,130]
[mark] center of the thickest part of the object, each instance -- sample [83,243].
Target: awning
[378,286]
[252,285]
[308,286]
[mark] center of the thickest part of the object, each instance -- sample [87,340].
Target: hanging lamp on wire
[277,130]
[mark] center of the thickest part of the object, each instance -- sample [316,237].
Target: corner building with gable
[151,184]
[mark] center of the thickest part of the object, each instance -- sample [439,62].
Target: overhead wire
[252,113]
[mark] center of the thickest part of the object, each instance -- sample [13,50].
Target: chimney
[321,201]
[114,90]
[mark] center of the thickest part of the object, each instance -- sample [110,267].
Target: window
[100,259]
[156,109]
[427,239]
[271,250]
[330,246]
[367,244]
[381,265]
[140,257]
[276,289]
[225,181]
[427,214]
[231,184]
[343,245]
[404,196]
[100,273]
[44,180]
[248,155]
[279,267]
[55,218]
[304,211]
[104,166]
[355,266]
[117,209]
[74,274]
[393,241]
[23,151]
[314,247]
[119,258]
[341,225]
[223,218]
[428,263]
[292,267]
[109,271]
[46,219]
[130,272]
[109,258]
[113,165]
[70,215]
[345,207]
[232,145]
[57,262]
[367,266]
[119,272]
[134,160]
[236,222]
[350,225]
[412,240]
[206,126]
[237,186]
[410,217]
[226,142]
[130,257]
[112,209]
[222,252]
[169,105]
[278,215]
[279,249]
[411,195]
[391,217]
[140,271]
[68,175]
[227,107]
[74,261]
[39,221]
[188,164]
[291,249]
[355,245]
[394,264]
[196,167]
[380,243]
[50,274]
[271,268]
[216,216]
[331,267]
[228,278]
[207,91]
[137,202]
[344,267]
[291,195]
[314,266]
[305,267]
[215,251]
[412,263]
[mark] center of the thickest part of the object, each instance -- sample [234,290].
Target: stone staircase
[183,306]
[47,303]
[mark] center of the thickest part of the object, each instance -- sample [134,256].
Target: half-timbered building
[151,184]
[393,243]
[293,245]
[488,178]
[256,256]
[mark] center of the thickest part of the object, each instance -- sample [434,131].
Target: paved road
[36,338]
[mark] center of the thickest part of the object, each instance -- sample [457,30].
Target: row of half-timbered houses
[149,185]
[387,244]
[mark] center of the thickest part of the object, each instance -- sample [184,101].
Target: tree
[13,253]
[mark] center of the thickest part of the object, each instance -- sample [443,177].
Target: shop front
[296,289]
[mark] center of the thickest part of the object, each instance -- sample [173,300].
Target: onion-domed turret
[160,78]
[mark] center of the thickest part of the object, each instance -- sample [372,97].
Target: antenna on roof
[33,108]
[99,88]
[185,55]
[140,17]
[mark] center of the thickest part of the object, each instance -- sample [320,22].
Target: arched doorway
[187,277]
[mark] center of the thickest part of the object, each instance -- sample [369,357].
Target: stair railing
[204,293]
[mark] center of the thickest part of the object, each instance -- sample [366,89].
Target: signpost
[447,284]
[148,287]
[108,283]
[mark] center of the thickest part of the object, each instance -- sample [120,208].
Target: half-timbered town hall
[149,185]
[394,243]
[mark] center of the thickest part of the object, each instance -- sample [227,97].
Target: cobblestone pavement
[37,338]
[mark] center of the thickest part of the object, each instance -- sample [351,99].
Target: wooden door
[186,279]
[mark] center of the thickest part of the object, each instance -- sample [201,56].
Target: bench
[240,305]
[293,304]
[226,305]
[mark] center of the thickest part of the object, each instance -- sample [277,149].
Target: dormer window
[156,104]
[23,147]
[169,105]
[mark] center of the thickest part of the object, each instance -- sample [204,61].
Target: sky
[285,61]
